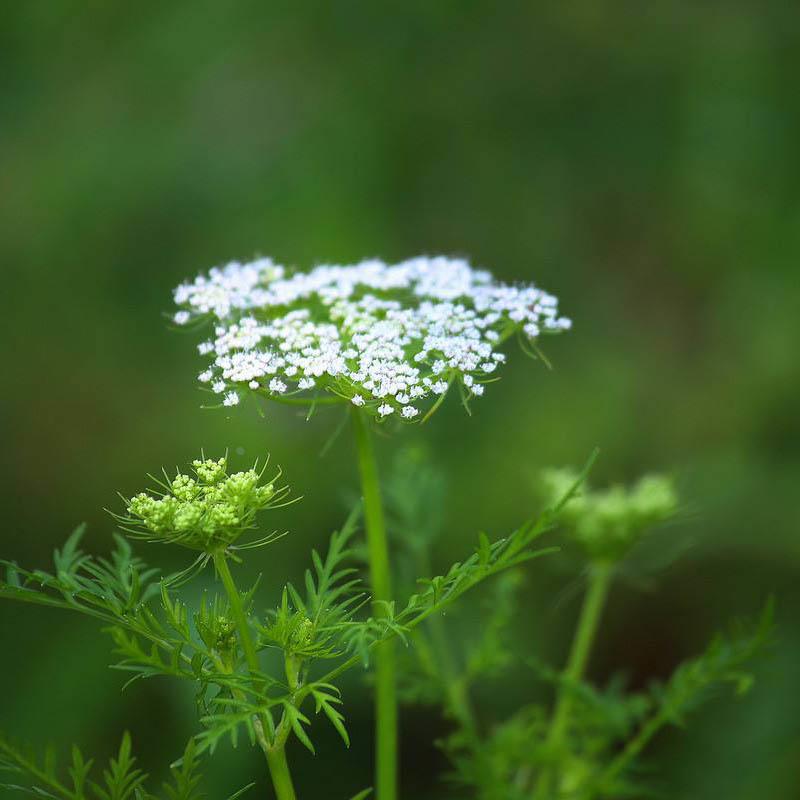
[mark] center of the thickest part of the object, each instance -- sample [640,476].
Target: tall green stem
[385,692]
[593,603]
[279,772]
[276,754]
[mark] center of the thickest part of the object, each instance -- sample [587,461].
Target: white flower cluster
[384,337]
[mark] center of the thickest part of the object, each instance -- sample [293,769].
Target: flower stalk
[593,603]
[276,752]
[385,689]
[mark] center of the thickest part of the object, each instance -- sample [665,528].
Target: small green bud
[184,487]
[264,493]
[188,516]
[222,515]
[239,487]
[210,471]
[608,523]
[216,629]
[208,513]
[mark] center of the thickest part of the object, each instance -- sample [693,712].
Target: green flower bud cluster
[294,633]
[207,512]
[609,522]
[218,632]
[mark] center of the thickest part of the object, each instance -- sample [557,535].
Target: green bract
[207,512]
[607,523]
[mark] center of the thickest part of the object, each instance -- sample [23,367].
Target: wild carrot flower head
[607,523]
[391,339]
[207,511]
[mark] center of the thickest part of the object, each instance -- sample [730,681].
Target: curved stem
[276,753]
[385,690]
[593,602]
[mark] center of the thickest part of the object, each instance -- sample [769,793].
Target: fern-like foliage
[311,626]
[152,629]
[121,779]
[724,662]
[118,591]
[322,624]
[109,589]
[155,633]
[609,728]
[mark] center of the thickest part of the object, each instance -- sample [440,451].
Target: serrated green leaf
[297,719]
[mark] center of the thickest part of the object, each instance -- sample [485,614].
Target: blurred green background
[641,161]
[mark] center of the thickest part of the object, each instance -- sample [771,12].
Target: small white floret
[218,387]
[409,412]
[531,330]
[231,399]
[181,317]
[357,400]
[277,386]
[385,409]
